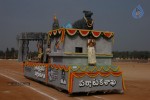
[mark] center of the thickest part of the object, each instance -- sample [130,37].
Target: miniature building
[73,49]
[23,43]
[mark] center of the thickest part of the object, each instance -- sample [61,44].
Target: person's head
[40,50]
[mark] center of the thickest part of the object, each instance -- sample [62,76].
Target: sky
[17,16]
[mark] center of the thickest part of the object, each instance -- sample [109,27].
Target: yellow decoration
[95,68]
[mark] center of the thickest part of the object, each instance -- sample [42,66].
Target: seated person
[40,55]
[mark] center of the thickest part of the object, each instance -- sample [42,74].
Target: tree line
[9,54]
[131,54]
[12,53]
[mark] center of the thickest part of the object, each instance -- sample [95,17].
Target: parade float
[76,59]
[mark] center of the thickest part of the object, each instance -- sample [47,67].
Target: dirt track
[136,77]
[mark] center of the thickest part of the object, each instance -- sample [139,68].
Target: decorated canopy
[83,33]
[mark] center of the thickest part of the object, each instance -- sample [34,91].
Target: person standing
[91,52]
